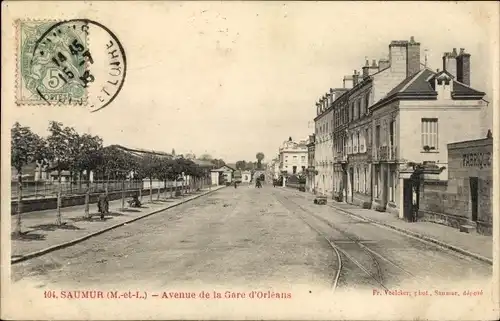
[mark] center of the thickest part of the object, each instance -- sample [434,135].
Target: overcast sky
[233,79]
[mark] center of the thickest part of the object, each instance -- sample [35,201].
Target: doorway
[351,185]
[474,195]
[408,200]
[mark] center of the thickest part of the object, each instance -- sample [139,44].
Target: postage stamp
[58,66]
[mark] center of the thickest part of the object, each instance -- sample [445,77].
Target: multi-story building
[311,171]
[416,120]
[293,157]
[274,168]
[324,141]
[341,121]
[377,80]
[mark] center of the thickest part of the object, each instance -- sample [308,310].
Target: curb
[83,238]
[418,236]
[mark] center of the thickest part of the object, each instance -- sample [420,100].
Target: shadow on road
[126,210]
[27,236]
[53,227]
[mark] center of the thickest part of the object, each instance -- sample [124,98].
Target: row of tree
[66,150]
[251,166]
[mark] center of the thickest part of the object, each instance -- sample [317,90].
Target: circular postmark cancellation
[72,62]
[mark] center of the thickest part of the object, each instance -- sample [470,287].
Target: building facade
[293,157]
[414,123]
[323,149]
[311,171]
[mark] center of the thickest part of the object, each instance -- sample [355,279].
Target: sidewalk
[474,245]
[41,235]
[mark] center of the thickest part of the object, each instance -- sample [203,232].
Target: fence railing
[47,189]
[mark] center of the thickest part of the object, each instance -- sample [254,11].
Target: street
[268,238]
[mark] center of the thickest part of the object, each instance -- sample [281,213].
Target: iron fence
[47,189]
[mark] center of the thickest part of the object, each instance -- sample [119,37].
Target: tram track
[335,281]
[373,270]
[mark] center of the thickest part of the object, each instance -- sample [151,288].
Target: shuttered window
[429,127]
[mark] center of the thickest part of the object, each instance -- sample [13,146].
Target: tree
[206,157]
[218,162]
[149,166]
[88,159]
[250,166]
[241,165]
[61,149]
[26,148]
[260,157]
[164,169]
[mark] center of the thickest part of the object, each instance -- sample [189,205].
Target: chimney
[382,64]
[398,57]
[332,94]
[413,58]
[463,67]
[366,68]
[348,82]
[373,68]
[355,78]
[450,62]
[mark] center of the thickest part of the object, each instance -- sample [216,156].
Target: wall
[450,202]
[32,205]
[457,121]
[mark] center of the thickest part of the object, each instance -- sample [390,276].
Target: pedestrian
[103,204]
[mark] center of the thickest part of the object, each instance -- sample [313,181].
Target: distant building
[293,157]
[311,171]
[222,175]
[323,147]
[246,176]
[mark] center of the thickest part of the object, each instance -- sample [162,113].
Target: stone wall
[32,205]
[450,202]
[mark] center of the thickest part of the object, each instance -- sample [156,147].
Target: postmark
[74,62]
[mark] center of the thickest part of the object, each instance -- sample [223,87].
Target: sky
[234,79]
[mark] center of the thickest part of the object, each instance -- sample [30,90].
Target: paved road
[266,238]
[231,238]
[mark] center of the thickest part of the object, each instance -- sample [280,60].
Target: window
[359,108]
[294,157]
[294,169]
[367,138]
[364,180]
[358,143]
[352,111]
[429,133]
[391,133]
[377,136]
[286,156]
[303,168]
[357,179]
[302,158]
[367,102]
[391,187]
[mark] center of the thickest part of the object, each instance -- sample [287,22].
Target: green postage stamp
[41,76]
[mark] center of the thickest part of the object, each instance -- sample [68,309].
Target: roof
[223,169]
[141,152]
[462,90]
[421,85]
[203,163]
[415,84]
